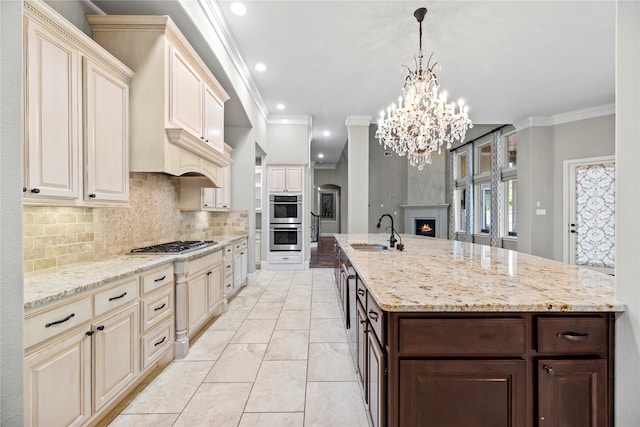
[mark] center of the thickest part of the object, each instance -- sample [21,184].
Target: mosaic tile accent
[495,231]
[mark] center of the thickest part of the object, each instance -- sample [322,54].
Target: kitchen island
[448,333]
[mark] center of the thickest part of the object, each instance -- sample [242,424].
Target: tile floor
[278,357]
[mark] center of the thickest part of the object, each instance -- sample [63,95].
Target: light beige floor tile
[279,387]
[334,404]
[264,277]
[265,310]
[254,331]
[209,345]
[325,310]
[288,345]
[302,277]
[171,390]
[294,319]
[145,420]
[297,302]
[229,321]
[215,404]
[272,419]
[300,290]
[273,295]
[252,290]
[327,330]
[328,296]
[242,302]
[284,274]
[330,362]
[279,284]
[239,363]
[323,284]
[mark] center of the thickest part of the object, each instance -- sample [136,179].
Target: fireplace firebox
[425,227]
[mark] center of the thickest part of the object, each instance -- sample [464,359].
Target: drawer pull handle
[549,370]
[118,297]
[160,342]
[361,292]
[57,322]
[573,336]
[160,279]
[161,307]
[373,315]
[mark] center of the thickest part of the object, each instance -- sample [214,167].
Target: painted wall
[74,11]
[387,186]
[627,380]
[11,293]
[288,143]
[358,174]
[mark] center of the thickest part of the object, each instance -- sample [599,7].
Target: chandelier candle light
[423,121]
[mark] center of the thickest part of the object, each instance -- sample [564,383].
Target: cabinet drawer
[156,307]
[228,251]
[117,296]
[462,337]
[62,318]
[376,317]
[157,278]
[276,258]
[228,268]
[206,262]
[228,286]
[361,291]
[244,244]
[572,334]
[156,342]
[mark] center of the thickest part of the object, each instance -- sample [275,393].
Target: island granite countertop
[55,284]
[439,275]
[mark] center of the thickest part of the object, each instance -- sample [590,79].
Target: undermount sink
[373,247]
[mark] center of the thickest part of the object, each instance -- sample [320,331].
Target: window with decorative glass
[509,175]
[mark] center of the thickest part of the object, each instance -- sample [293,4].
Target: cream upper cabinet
[186,98]
[76,108]
[285,179]
[52,139]
[106,112]
[223,193]
[177,105]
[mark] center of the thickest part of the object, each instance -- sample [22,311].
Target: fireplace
[425,227]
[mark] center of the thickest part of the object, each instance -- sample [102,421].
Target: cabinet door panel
[215,288]
[277,179]
[106,100]
[294,180]
[197,296]
[52,122]
[462,393]
[186,96]
[376,381]
[213,120]
[572,393]
[57,383]
[361,345]
[116,362]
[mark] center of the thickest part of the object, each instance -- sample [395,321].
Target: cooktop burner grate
[177,247]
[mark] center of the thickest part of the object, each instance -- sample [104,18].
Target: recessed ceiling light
[260,66]
[238,9]
[280,106]
[320,156]
[326,133]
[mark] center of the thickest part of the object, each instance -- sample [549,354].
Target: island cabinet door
[572,393]
[361,344]
[462,393]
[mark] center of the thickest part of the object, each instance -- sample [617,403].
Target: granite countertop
[54,284]
[448,276]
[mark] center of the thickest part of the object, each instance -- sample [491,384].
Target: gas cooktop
[177,247]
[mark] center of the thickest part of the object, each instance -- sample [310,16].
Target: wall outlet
[541,211]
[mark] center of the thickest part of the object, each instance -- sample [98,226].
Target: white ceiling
[509,60]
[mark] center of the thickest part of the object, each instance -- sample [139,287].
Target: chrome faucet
[392,239]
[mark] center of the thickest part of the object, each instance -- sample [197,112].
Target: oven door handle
[285,227]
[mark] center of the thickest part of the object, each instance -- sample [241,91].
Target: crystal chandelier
[423,121]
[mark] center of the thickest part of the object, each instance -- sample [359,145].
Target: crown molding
[358,121]
[289,120]
[572,116]
[214,15]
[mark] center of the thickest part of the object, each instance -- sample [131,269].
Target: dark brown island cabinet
[480,369]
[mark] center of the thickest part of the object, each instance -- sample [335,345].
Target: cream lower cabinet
[204,290]
[240,263]
[57,385]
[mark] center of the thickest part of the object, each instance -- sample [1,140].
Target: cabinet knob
[92,196]
[549,370]
[89,333]
[206,140]
[100,328]
[35,190]
[24,189]
[202,137]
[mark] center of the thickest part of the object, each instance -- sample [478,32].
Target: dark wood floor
[322,256]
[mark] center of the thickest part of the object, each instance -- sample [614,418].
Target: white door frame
[568,166]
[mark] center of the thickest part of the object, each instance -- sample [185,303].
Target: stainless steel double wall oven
[285,218]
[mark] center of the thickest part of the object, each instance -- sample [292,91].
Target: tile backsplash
[56,236]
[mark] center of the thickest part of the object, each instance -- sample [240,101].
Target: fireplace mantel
[438,211]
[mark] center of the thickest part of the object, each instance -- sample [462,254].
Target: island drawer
[361,291]
[462,336]
[572,334]
[376,317]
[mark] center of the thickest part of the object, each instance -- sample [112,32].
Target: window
[511,193]
[485,207]
[484,159]
[512,151]
[460,209]
[461,165]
